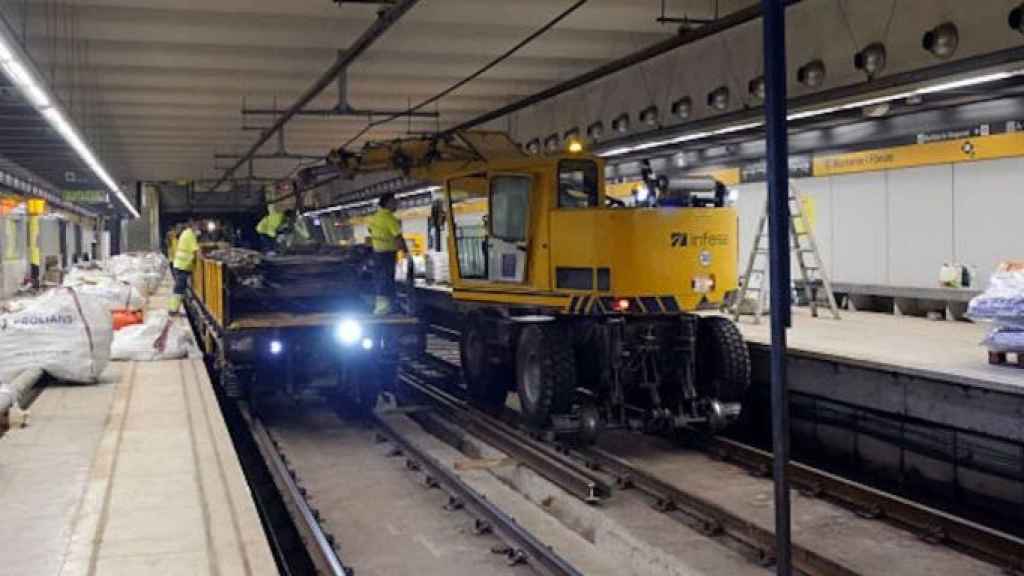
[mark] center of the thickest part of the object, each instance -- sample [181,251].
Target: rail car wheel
[545,372]
[483,383]
[723,361]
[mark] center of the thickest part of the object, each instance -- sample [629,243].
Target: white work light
[276,347]
[348,331]
[367,344]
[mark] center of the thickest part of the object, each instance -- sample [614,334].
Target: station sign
[85,196]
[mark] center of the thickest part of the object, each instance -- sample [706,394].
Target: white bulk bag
[159,338]
[64,333]
[437,268]
[78,275]
[115,294]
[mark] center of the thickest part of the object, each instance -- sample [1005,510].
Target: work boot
[382,307]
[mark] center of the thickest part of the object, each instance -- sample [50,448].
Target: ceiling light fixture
[621,124]
[756,89]
[871,60]
[682,107]
[942,40]
[649,116]
[16,66]
[551,143]
[533,146]
[811,74]
[595,131]
[1016,19]
[719,98]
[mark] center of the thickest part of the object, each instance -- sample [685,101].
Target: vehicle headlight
[348,332]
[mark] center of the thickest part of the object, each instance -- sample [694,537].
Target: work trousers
[385,281]
[180,281]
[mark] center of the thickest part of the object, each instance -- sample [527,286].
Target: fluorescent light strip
[936,88]
[22,77]
[361,203]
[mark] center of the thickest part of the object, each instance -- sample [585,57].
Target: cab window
[577,184]
[468,199]
[510,203]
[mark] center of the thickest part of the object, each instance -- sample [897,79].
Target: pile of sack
[145,271]
[436,268]
[1002,304]
[160,337]
[419,267]
[64,332]
[123,282]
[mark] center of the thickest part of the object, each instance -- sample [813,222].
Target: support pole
[778,246]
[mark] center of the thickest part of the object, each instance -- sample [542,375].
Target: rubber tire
[485,388]
[551,350]
[723,360]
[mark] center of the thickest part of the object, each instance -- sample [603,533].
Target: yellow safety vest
[385,229]
[35,255]
[269,224]
[185,250]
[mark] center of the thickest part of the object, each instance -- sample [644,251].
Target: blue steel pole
[778,244]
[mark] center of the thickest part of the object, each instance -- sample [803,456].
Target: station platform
[133,475]
[912,345]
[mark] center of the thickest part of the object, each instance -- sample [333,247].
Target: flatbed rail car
[341,355]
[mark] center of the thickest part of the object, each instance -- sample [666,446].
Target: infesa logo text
[705,240]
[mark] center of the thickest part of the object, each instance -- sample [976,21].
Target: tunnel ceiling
[159,85]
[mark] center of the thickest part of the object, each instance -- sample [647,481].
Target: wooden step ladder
[803,244]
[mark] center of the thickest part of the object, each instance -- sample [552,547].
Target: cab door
[509,227]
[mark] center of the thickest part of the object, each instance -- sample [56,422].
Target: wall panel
[920,224]
[860,226]
[989,213]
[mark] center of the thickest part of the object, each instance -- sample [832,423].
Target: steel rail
[536,455]
[384,21]
[713,518]
[934,525]
[526,547]
[320,550]
[974,539]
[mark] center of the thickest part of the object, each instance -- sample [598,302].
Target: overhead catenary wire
[479,72]
[384,22]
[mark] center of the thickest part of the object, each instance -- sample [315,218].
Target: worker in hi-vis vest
[35,254]
[386,237]
[267,228]
[184,259]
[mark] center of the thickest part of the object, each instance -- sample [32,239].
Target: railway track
[432,378]
[594,475]
[318,545]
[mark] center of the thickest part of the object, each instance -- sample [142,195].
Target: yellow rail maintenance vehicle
[307,331]
[579,303]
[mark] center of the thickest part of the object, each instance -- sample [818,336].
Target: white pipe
[12,393]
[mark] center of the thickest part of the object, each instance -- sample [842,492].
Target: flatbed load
[298,323]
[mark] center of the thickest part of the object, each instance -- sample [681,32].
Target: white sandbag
[114,294]
[419,264]
[92,275]
[436,268]
[63,332]
[159,338]
[401,271]
[145,282]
